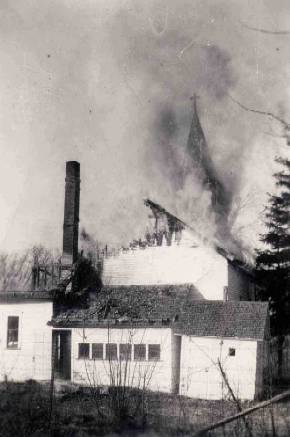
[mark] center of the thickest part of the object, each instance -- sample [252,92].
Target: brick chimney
[71,213]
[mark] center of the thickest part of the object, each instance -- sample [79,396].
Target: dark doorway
[61,353]
[176,356]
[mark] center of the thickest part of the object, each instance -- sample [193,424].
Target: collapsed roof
[177,307]
[175,225]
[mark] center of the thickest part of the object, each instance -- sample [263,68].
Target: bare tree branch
[234,397]
[284,123]
[243,413]
[269,32]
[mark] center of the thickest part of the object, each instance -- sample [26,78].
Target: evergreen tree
[273,263]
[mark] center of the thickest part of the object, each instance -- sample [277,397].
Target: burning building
[172,252]
[166,298]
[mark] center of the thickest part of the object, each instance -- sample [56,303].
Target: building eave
[220,337]
[143,324]
[24,296]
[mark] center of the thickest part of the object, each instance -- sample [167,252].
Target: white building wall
[32,358]
[176,264]
[200,374]
[155,376]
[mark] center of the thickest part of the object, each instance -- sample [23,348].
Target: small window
[111,351]
[97,351]
[232,352]
[12,332]
[84,350]
[125,352]
[154,352]
[139,352]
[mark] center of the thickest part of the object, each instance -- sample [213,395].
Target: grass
[25,410]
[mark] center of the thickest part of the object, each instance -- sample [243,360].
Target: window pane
[12,331]
[125,352]
[84,350]
[111,351]
[97,351]
[232,352]
[13,322]
[154,352]
[139,352]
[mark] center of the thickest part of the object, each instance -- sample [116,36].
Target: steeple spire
[194,99]
[196,143]
[198,151]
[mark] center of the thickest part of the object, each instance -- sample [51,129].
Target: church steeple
[197,149]
[196,143]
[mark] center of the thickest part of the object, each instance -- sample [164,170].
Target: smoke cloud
[109,84]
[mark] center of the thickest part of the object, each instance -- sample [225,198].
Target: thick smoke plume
[109,84]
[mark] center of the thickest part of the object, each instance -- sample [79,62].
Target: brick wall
[71,212]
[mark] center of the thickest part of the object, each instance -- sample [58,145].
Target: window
[84,350]
[153,352]
[13,332]
[111,351]
[232,352]
[97,351]
[125,352]
[139,352]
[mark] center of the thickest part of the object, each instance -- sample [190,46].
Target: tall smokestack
[71,213]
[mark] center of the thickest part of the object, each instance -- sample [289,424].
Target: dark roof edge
[9,296]
[222,337]
[142,325]
[110,324]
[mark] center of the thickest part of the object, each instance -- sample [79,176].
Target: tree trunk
[281,339]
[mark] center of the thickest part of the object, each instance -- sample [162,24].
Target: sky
[109,83]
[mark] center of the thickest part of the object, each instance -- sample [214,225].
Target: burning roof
[174,225]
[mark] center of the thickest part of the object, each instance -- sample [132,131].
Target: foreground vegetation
[29,409]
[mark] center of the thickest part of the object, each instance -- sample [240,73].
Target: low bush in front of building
[33,409]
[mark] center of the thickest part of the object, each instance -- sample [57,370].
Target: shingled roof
[179,307]
[239,319]
[138,304]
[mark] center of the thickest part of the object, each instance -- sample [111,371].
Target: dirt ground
[33,409]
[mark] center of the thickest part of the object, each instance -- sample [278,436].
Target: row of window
[97,351]
[123,351]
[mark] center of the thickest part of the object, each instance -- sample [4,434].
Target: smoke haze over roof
[108,84]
